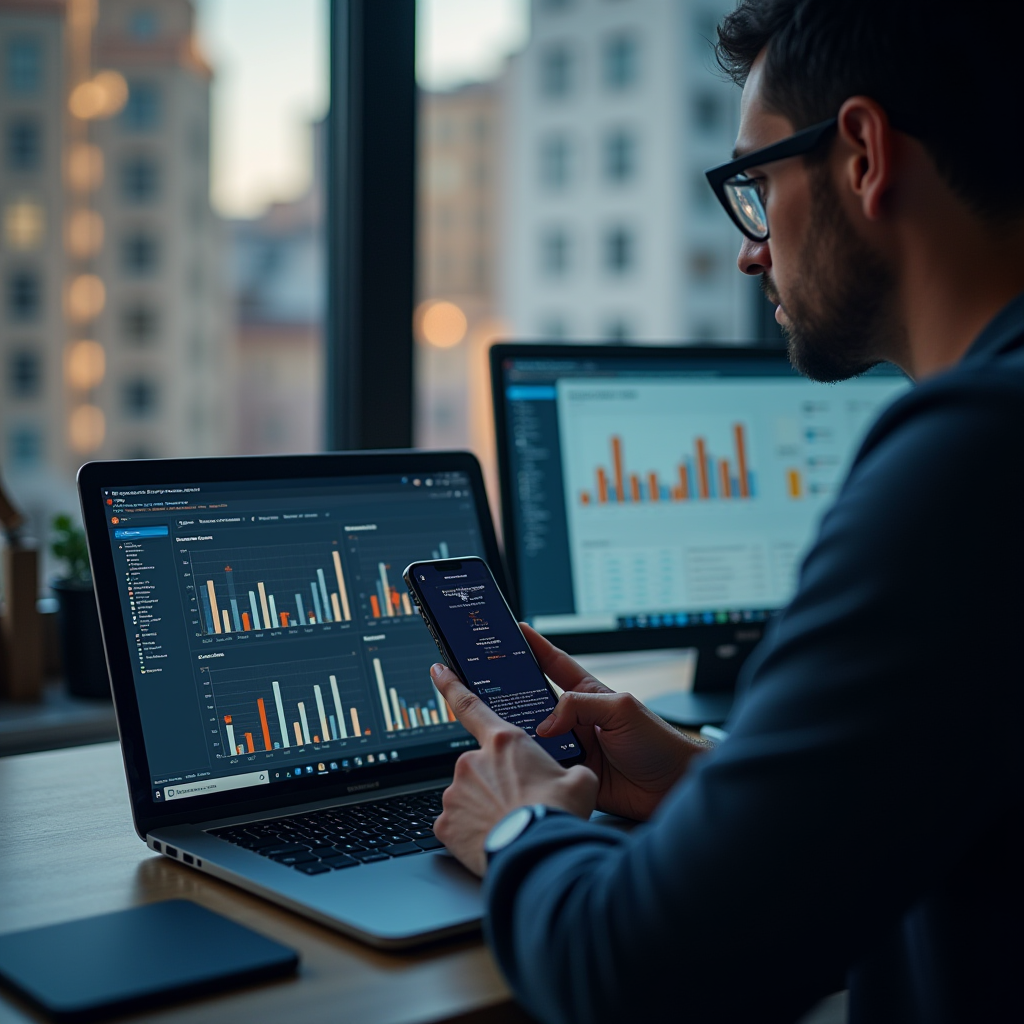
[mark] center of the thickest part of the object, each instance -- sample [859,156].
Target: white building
[610,231]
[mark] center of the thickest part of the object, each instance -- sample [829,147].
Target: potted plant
[81,643]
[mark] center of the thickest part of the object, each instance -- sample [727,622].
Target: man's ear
[866,136]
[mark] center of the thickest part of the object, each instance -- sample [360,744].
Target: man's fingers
[558,666]
[586,710]
[469,709]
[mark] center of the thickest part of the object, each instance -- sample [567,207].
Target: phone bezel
[444,647]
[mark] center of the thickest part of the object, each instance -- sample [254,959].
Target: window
[619,250]
[619,156]
[554,252]
[554,161]
[25,447]
[140,324]
[24,144]
[140,253]
[139,397]
[708,113]
[620,62]
[142,112]
[25,374]
[24,296]
[140,179]
[24,65]
[556,71]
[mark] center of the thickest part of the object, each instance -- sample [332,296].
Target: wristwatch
[513,825]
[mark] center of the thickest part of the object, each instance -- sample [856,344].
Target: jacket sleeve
[847,787]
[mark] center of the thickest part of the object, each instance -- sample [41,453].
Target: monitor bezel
[93,477]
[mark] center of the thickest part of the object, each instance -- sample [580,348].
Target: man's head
[930,128]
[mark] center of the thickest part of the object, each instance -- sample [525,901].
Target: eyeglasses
[741,196]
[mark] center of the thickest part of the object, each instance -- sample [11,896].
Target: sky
[271,81]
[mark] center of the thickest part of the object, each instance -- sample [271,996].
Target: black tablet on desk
[144,958]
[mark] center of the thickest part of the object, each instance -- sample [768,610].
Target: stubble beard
[840,310]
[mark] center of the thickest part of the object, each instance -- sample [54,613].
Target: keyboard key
[402,849]
[314,868]
[291,859]
[281,849]
[430,843]
[369,856]
[337,863]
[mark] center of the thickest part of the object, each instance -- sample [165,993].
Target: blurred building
[278,277]
[609,229]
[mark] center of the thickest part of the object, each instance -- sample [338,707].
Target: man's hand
[636,756]
[508,771]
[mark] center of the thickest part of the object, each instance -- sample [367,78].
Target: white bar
[341,586]
[325,732]
[323,595]
[180,792]
[305,723]
[275,620]
[255,610]
[267,620]
[285,742]
[213,606]
[406,606]
[381,689]
[227,621]
[389,611]
[339,714]
[396,709]
[230,730]
[356,730]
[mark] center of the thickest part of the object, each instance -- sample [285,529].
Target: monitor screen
[651,489]
[270,634]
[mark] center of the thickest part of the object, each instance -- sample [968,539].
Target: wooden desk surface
[68,850]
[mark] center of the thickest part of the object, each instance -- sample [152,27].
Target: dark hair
[947,74]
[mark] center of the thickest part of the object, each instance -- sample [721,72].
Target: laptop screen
[270,633]
[648,489]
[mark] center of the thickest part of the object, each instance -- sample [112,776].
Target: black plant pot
[81,643]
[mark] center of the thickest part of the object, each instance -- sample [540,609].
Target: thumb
[575,708]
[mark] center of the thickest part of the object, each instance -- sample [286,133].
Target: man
[861,826]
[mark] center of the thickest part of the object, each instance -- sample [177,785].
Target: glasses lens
[745,202]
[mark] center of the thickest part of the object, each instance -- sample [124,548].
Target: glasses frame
[798,144]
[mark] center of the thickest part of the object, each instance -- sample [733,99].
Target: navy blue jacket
[862,825]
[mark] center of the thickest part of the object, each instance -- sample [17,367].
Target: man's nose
[755,258]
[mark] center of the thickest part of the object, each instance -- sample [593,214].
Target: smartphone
[479,638]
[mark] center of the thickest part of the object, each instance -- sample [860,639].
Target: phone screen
[491,655]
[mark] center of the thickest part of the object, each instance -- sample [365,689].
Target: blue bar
[255,610]
[323,593]
[334,727]
[206,611]
[141,531]
[530,392]
[750,484]
[302,611]
[316,603]
[235,617]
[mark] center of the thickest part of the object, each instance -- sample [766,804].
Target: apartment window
[556,71]
[25,447]
[25,374]
[554,161]
[142,112]
[708,112]
[555,252]
[620,61]
[24,144]
[140,324]
[24,296]
[140,253]
[619,156]
[139,397]
[24,65]
[619,250]
[140,179]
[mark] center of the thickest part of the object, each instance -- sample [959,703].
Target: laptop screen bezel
[94,477]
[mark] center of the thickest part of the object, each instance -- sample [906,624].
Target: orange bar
[316,739]
[677,494]
[654,491]
[684,484]
[702,468]
[796,489]
[405,718]
[584,498]
[227,719]
[634,486]
[741,460]
[245,622]
[602,487]
[267,745]
[375,606]
[723,479]
[298,734]
[284,618]
[620,490]
[396,600]
[248,743]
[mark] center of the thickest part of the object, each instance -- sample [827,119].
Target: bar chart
[406,696]
[700,475]
[290,705]
[272,586]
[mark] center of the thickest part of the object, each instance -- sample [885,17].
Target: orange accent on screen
[741,460]
[602,487]
[405,718]
[723,476]
[684,484]
[267,745]
[316,739]
[298,733]
[620,490]
[702,468]
[634,487]
[653,490]
[375,606]
[284,618]
[227,719]
[248,743]
[245,622]
[396,600]
[584,498]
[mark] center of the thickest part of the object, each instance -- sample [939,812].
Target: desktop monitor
[659,497]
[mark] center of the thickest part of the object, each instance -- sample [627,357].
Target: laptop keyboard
[343,837]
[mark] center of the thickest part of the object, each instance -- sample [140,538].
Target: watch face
[508,829]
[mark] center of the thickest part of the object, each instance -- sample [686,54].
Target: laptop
[279,727]
[663,497]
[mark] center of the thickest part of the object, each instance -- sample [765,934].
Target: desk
[68,850]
